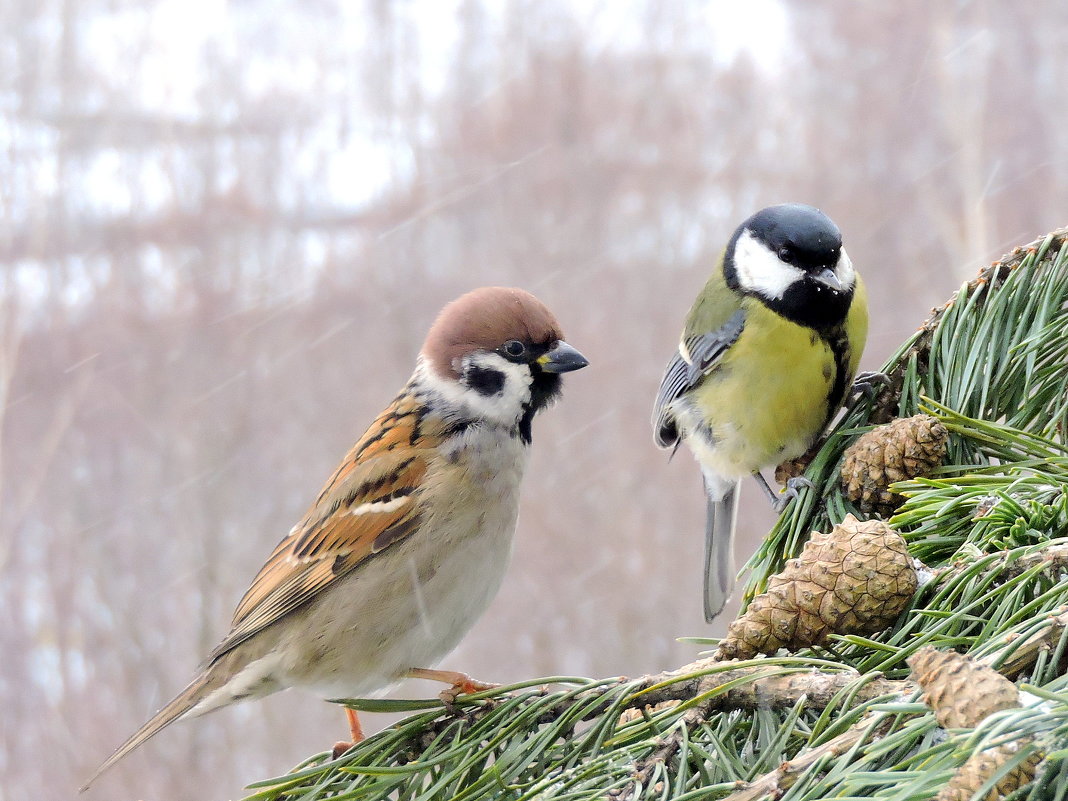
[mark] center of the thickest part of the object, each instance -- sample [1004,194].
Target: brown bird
[407,543]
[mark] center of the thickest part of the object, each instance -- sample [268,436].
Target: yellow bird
[767,356]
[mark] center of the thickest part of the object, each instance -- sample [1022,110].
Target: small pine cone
[960,690]
[981,766]
[795,467]
[897,451]
[855,580]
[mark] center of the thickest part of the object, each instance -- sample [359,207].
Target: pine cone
[796,467]
[855,580]
[960,690]
[974,773]
[897,451]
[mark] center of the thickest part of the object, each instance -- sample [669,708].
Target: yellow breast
[767,399]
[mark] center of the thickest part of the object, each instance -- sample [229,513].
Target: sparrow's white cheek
[491,389]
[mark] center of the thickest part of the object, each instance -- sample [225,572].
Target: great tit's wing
[369,504]
[702,351]
[696,356]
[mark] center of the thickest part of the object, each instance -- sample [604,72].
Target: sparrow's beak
[561,358]
[828,279]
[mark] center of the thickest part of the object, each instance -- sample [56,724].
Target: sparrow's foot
[355,730]
[870,384]
[779,500]
[460,684]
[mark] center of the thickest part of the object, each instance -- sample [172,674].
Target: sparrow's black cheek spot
[484,380]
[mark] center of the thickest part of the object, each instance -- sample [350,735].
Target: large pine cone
[855,580]
[897,451]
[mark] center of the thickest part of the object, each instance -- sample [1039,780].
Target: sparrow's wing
[368,504]
[696,356]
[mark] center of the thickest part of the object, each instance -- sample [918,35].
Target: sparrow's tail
[719,548]
[188,698]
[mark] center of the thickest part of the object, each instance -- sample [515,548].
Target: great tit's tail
[719,547]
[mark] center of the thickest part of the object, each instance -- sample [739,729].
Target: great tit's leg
[780,499]
[870,384]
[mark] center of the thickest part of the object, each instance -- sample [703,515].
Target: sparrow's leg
[780,499]
[355,729]
[461,683]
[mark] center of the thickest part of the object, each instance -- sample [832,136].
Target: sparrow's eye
[514,348]
[786,255]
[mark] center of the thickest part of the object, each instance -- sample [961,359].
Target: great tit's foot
[793,489]
[870,384]
[779,500]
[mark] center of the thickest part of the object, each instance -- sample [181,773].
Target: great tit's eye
[515,348]
[786,255]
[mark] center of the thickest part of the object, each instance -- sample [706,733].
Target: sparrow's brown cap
[485,319]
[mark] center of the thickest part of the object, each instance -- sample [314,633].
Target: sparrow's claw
[355,730]
[465,686]
[870,384]
[340,747]
[460,684]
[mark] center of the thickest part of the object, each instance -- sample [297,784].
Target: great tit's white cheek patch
[844,270]
[761,271]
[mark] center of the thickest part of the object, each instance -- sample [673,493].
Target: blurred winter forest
[226,226]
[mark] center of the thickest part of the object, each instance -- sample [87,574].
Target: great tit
[768,353]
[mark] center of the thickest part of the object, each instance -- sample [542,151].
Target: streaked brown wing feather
[381,477]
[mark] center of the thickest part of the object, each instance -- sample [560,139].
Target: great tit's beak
[828,279]
[561,358]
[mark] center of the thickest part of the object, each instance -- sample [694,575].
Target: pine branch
[917,350]
[774,784]
[1011,658]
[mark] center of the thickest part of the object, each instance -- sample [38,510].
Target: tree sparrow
[407,543]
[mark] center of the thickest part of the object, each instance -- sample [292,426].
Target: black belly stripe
[838,342]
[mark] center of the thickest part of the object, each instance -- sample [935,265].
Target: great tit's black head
[798,234]
[791,257]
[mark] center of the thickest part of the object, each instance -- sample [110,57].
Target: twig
[773,784]
[756,686]
[1052,556]
[645,769]
[1017,657]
